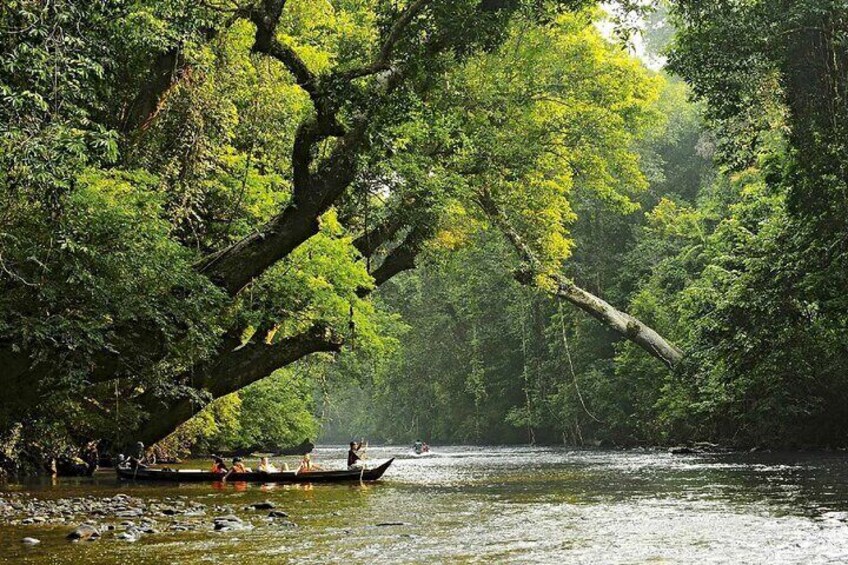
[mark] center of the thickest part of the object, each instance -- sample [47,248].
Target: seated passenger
[218,466]
[238,466]
[306,465]
[266,466]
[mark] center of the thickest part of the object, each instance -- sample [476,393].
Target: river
[485,505]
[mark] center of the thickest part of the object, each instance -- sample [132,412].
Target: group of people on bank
[355,461]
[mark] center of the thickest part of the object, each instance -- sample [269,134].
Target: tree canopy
[196,196]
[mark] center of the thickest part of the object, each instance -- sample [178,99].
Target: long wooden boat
[283,477]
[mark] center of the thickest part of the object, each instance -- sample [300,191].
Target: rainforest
[238,223]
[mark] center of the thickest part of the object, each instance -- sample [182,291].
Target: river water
[490,505]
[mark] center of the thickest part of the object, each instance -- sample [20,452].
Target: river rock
[130,535]
[130,513]
[84,532]
[267,505]
[230,523]
[277,514]
[30,541]
[228,518]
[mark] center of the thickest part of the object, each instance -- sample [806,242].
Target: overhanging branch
[623,323]
[237,365]
[233,370]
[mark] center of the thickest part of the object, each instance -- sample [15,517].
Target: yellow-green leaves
[316,283]
[328,34]
[550,117]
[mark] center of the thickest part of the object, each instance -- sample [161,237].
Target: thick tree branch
[372,239]
[401,258]
[145,106]
[232,371]
[291,60]
[237,265]
[626,325]
[166,70]
[237,365]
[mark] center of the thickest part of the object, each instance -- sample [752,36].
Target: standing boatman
[354,461]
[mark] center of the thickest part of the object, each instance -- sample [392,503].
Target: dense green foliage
[141,139]
[736,254]
[195,196]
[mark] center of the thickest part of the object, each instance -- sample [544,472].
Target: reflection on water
[476,504]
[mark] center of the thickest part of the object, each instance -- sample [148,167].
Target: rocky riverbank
[126,518]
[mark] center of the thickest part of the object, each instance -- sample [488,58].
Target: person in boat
[425,448]
[266,466]
[130,462]
[238,466]
[306,465]
[418,446]
[218,466]
[91,457]
[354,460]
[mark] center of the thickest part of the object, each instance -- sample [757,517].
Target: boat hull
[283,477]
